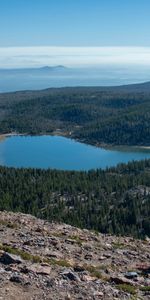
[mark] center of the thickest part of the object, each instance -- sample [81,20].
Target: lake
[62,153]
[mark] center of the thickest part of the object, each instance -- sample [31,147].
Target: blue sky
[74,32]
[74,23]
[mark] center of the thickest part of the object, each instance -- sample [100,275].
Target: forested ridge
[116,200]
[119,116]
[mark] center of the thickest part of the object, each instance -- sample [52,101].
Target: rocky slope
[40,260]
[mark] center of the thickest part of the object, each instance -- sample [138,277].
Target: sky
[80,31]
[16,57]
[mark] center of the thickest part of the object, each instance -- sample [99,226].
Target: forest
[115,200]
[115,116]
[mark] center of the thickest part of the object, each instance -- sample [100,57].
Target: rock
[68,297]
[147,239]
[12,268]
[2,270]
[24,269]
[55,242]
[17,279]
[145,268]
[79,268]
[102,258]
[131,275]
[39,269]
[88,247]
[8,258]
[120,280]
[108,255]
[70,275]
[50,282]
[87,278]
[98,266]
[88,256]
[108,246]
[1,252]
[28,242]
[99,294]
[70,241]
[53,254]
[39,229]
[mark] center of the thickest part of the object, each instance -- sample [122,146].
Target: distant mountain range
[40,69]
[50,68]
[39,78]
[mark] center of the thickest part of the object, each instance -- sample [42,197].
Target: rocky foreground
[40,260]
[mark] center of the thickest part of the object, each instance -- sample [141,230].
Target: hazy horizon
[100,42]
[21,57]
[32,79]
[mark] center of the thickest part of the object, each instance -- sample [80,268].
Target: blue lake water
[62,153]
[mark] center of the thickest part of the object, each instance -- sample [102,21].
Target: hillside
[41,260]
[115,201]
[95,115]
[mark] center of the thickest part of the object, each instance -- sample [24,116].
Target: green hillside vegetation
[119,116]
[116,200]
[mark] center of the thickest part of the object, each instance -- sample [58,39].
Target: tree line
[115,200]
[92,115]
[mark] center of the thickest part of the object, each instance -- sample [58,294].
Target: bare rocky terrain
[42,260]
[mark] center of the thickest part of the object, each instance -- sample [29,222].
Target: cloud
[73,56]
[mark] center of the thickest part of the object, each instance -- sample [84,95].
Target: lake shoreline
[63,153]
[69,136]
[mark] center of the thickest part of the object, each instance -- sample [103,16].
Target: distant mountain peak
[53,67]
